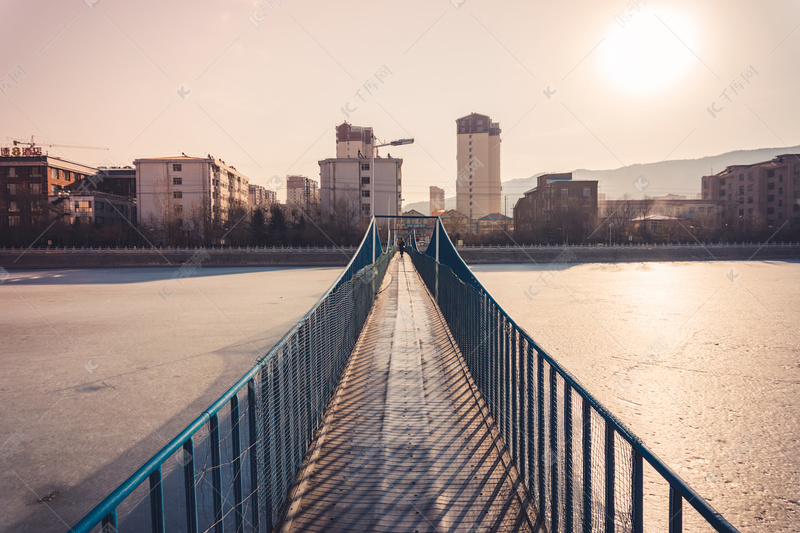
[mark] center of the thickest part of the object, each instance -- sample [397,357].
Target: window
[13,220]
[770,173]
[741,212]
[36,188]
[749,186]
[365,180]
[365,194]
[12,172]
[177,194]
[749,199]
[365,208]
[364,166]
[177,167]
[780,190]
[797,194]
[565,192]
[771,198]
[178,209]
[780,203]
[741,189]
[177,181]
[796,207]
[770,186]
[587,191]
[12,188]
[35,172]
[770,210]
[741,201]
[741,177]
[12,206]
[780,177]
[797,168]
[722,183]
[53,173]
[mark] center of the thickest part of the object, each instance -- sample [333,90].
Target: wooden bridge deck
[407,443]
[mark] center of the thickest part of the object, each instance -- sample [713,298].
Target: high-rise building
[353,142]
[182,187]
[302,196]
[437,200]
[345,186]
[259,196]
[478,157]
[757,196]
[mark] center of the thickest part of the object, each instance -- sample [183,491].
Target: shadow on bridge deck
[407,443]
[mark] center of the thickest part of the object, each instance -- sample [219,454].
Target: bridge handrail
[105,511]
[441,247]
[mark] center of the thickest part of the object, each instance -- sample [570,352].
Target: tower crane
[32,144]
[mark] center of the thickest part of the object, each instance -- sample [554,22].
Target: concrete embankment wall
[629,254]
[17,259]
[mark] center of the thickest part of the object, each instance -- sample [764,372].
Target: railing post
[109,522]
[438,238]
[540,436]
[610,473]
[568,504]
[675,511]
[586,421]
[216,475]
[189,486]
[531,423]
[156,502]
[237,461]
[638,493]
[255,486]
[553,449]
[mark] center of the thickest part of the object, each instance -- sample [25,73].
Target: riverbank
[295,257]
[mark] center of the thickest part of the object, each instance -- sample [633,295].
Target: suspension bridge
[406,399]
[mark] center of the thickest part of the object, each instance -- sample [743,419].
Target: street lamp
[398,142]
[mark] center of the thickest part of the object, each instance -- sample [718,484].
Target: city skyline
[607,85]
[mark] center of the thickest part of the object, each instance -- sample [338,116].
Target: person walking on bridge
[401,245]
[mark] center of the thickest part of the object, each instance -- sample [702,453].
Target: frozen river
[102,367]
[701,360]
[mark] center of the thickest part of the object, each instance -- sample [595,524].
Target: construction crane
[32,144]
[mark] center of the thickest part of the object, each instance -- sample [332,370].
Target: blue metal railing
[236,462]
[584,470]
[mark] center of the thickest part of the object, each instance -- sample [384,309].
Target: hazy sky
[263,84]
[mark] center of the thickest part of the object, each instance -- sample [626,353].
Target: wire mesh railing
[584,470]
[232,468]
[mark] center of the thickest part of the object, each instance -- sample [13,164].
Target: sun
[646,52]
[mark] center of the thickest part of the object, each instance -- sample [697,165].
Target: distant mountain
[680,176]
